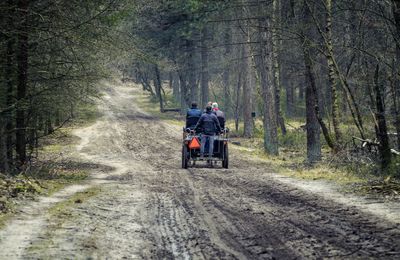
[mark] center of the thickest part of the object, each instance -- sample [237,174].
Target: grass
[339,169]
[62,209]
[60,212]
[86,114]
[150,106]
[54,167]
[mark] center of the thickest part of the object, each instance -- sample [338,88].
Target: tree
[248,86]
[396,86]
[276,26]
[22,61]
[158,87]
[204,67]
[54,53]
[268,89]
[312,108]
[381,126]
[332,75]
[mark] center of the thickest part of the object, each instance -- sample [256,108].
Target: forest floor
[139,203]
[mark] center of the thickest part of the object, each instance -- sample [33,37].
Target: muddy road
[150,208]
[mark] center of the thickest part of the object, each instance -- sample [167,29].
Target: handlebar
[193,132]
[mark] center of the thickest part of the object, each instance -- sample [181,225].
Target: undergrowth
[354,171]
[49,170]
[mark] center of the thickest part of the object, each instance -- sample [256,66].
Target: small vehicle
[191,149]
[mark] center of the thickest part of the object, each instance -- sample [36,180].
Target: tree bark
[381,127]
[331,72]
[237,101]
[247,90]
[174,86]
[3,149]
[158,87]
[9,78]
[204,68]
[22,60]
[312,142]
[276,63]
[289,99]
[396,92]
[268,90]
[312,124]
[226,73]
[194,95]
[289,84]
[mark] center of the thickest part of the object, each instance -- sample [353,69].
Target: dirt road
[149,207]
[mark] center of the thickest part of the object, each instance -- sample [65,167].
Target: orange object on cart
[194,144]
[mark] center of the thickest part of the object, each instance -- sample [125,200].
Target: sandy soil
[149,207]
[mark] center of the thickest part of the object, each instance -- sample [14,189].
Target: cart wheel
[225,162]
[184,157]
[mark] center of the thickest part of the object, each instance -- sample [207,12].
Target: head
[215,105]
[209,104]
[208,109]
[194,104]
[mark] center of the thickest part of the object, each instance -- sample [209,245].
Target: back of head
[194,104]
[215,105]
[208,109]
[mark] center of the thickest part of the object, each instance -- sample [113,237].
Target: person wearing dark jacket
[209,123]
[192,116]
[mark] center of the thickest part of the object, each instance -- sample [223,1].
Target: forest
[331,64]
[96,161]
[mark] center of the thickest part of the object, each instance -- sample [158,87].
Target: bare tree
[204,67]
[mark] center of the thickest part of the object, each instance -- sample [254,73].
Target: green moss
[62,209]
[61,212]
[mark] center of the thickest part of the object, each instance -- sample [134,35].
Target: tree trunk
[289,99]
[396,92]
[312,124]
[194,95]
[381,127]
[10,98]
[301,92]
[3,149]
[226,73]
[175,86]
[395,96]
[237,101]
[268,91]
[158,87]
[247,90]
[313,141]
[204,68]
[22,60]
[331,73]
[289,84]
[183,91]
[49,126]
[276,63]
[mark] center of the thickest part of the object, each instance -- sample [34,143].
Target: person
[209,104]
[192,116]
[220,115]
[209,123]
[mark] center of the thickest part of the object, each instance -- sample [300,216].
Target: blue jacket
[192,117]
[209,124]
